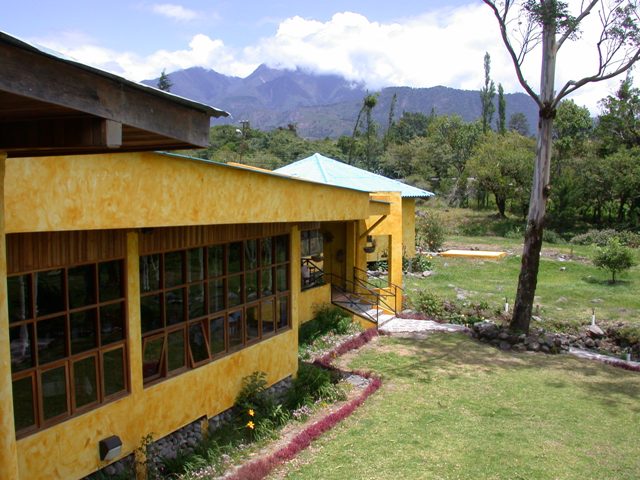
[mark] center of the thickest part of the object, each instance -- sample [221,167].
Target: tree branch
[579,18]
[517,60]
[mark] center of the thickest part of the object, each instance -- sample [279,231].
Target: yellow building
[137,288]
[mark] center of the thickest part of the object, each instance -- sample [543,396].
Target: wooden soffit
[54,106]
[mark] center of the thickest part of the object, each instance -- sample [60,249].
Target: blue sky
[414,43]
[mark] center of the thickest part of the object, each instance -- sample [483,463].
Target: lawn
[451,408]
[569,286]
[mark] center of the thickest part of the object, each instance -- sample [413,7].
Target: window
[311,243]
[201,303]
[311,261]
[67,329]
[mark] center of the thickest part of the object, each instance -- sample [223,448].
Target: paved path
[602,358]
[406,325]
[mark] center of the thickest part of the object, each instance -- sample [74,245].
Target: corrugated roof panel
[319,168]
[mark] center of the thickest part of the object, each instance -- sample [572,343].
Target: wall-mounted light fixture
[110,448]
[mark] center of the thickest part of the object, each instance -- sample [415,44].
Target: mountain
[322,105]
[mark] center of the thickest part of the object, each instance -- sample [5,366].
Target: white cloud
[175,12]
[443,47]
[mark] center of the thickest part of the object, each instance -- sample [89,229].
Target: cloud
[175,12]
[442,47]
[202,51]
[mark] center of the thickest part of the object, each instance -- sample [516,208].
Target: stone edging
[260,468]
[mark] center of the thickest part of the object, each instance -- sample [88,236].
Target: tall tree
[370,131]
[619,123]
[390,122]
[163,82]
[549,24]
[502,111]
[487,94]
[518,122]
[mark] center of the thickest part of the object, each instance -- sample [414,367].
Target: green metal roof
[321,169]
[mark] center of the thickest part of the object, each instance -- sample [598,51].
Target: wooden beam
[34,75]
[60,134]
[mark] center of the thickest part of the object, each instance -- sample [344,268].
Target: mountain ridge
[323,105]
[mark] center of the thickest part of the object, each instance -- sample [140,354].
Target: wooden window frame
[207,280]
[69,358]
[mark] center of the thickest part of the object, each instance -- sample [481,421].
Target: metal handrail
[358,295]
[368,285]
[316,275]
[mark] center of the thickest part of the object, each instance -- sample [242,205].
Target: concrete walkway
[406,325]
[577,352]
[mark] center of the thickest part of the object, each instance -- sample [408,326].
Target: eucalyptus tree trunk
[528,278]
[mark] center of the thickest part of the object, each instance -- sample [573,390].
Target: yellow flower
[250,425]
[251,413]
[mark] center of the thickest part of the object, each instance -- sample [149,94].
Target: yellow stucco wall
[69,450]
[133,190]
[8,463]
[409,227]
[311,299]
[392,226]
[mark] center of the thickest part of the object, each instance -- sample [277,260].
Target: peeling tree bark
[528,279]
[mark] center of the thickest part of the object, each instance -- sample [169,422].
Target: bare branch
[517,60]
[583,13]
[571,86]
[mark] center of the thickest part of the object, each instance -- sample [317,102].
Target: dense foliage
[595,173]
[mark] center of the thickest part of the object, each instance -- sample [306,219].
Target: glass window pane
[173,263]
[253,322]
[85,381]
[54,392]
[49,292]
[174,306]
[198,343]
[153,351]
[235,257]
[151,312]
[235,291]
[176,350]
[268,318]
[267,251]
[196,301]
[149,273]
[82,286]
[315,243]
[195,270]
[250,254]
[282,277]
[216,295]
[266,284]
[111,280]
[236,335]
[283,312]
[216,335]
[215,259]
[21,339]
[304,243]
[23,414]
[113,371]
[282,248]
[19,293]
[112,323]
[51,339]
[84,332]
[251,285]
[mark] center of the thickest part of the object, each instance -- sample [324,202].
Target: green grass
[451,408]
[565,297]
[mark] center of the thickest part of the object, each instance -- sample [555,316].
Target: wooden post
[8,448]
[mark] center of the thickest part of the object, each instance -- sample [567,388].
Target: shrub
[602,237]
[327,319]
[313,383]
[550,236]
[419,263]
[614,257]
[430,230]
[428,303]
